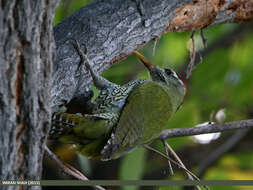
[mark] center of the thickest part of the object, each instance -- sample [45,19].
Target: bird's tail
[87,134]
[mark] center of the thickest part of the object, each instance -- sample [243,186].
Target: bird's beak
[144,61]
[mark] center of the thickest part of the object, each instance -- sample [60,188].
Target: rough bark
[26,59]
[111,30]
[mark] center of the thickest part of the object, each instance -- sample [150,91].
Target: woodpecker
[124,117]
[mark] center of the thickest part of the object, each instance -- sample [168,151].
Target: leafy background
[224,80]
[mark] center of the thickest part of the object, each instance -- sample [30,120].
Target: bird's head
[165,76]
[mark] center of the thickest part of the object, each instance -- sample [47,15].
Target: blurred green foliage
[66,7]
[135,169]
[223,80]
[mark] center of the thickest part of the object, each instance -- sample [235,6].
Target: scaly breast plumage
[113,99]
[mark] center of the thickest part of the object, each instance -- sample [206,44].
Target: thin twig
[154,45]
[65,167]
[68,169]
[209,128]
[224,41]
[167,153]
[180,162]
[204,40]
[172,161]
[168,147]
[200,58]
[192,56]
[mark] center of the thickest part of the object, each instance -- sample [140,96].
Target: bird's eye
[168,71]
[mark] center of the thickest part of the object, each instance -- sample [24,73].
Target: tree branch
[112,30]
[244,124]
[68,169]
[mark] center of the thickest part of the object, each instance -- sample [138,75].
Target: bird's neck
[175,95]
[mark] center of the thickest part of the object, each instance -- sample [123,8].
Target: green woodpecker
[124,117]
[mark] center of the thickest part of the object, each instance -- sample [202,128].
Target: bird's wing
[144,115]
[73,128]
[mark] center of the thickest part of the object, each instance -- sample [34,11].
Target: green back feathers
[144,116]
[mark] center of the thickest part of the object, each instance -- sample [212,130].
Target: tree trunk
[26,59]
